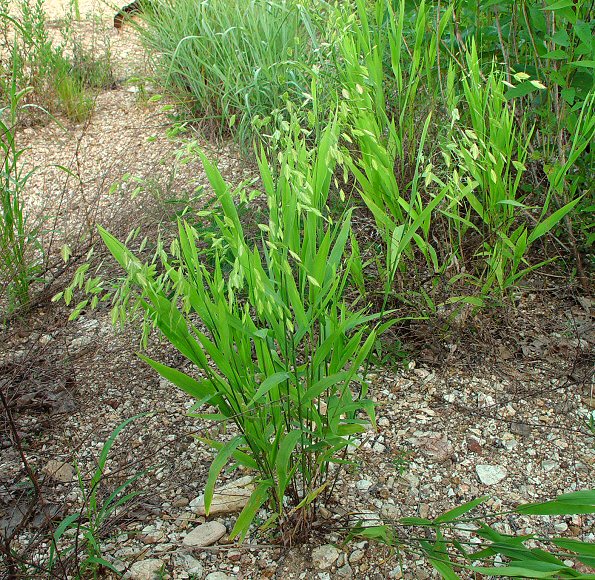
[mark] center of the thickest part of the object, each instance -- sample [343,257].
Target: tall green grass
[236,62]
[17,261]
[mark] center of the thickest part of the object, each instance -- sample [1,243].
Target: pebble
[363,484]
[436,446]
[325,556]
[230,498]
[356,556]
[219,576]
[490,474]
[204,535]
[145,569]
[549,465]
[59,471]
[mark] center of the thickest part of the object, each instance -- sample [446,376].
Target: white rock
[490,474]
[379,448]
[59,471]
[219,576]
[345,571]
[191,565]
[204,535]
[145,569]
[356,556]
[324,556]
[227,499]
[549,465]
[363,484]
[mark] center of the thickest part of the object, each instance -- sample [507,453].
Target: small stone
[363,484]
[59,471]
[474,445]
[145,569]
[227,499]
[192,565]
[325,556]
[436,446]
[561,527]
[549,465]
[81,342]
[153,537]
[520,429]
[180,502]
[325,514]
[219,576]
[204,535]
[390,511]
[356,556]
[490,474]
[345,571]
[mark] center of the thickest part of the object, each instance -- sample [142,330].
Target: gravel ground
[511,429]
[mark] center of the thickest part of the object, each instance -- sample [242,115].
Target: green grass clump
[235,61]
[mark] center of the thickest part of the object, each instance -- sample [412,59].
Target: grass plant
[286,348]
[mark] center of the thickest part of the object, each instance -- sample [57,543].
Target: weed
[491,553]
[286,348]
[17,266]
[88,524]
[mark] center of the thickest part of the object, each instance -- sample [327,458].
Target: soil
[506,394]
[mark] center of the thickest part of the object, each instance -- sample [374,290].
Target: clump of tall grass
[279,348]
[17,266]
[62,75]
[235,61]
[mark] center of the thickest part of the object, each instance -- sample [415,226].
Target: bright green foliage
[278,349]
[449,556]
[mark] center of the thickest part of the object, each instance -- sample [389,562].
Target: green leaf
[551,221]
[268,384]
[257,499]
[453,514]
[218,464]
[582,548]
[286,448]
[583,63]
[445,568]
[203,390]
[583,31]
[559,5]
